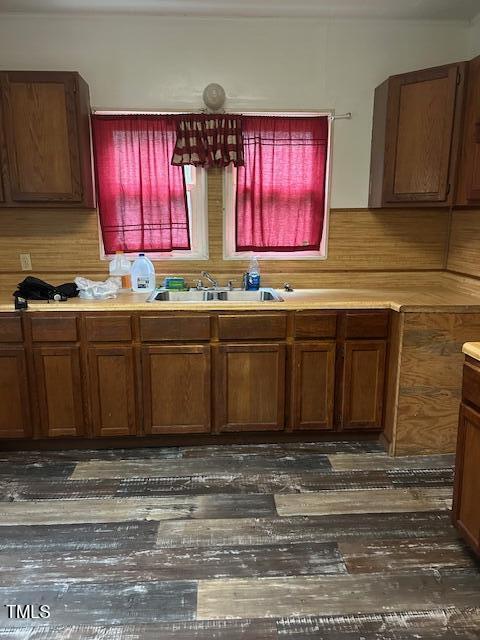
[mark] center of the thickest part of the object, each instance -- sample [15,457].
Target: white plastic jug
[120,267]
[143,274]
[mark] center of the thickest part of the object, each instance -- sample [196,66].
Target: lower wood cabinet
[363,384]
[313,385]
[176,389]
[466,495]
[65,375]
[15,418]
[466,507]
[60,392]
[112,391]
[250,387]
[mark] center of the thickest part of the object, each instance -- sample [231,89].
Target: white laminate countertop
[472,349]
[439,298]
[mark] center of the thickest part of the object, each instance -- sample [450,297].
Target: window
[145,203]
[276,206]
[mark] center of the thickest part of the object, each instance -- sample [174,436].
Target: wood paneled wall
[464,244]
[423,403]
[63,244]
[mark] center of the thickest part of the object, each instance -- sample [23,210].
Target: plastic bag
[92,290]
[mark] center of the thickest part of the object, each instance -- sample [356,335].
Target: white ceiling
[402,9]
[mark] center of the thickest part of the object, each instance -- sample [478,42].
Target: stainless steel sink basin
[193,295]
[262,295]
[212,295]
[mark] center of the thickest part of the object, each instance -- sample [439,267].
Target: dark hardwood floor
[297,541]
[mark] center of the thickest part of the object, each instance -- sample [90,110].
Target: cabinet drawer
[54,329]
[366,325]
[174,328]
[252,326]
[315,325]
[11,329]
[109,328]
[471,384]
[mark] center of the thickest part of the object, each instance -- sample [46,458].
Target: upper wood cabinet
[468,191]
[415,139]
[45,140]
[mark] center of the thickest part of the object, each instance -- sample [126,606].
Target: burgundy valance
[208,140]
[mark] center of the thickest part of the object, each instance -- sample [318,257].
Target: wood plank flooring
[297,541]
[366,501]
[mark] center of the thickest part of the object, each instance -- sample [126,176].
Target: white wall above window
[264,64]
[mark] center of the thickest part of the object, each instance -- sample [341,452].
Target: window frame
[197,212]
[229,204]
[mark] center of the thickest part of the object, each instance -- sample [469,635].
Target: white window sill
[163,257]
[275,255]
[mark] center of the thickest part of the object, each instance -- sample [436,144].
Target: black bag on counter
[35,289]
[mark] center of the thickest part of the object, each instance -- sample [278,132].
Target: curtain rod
[341,116]
[330,116]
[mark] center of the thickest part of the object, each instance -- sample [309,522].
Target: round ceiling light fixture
[214,96]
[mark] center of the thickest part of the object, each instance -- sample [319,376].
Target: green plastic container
[176,283]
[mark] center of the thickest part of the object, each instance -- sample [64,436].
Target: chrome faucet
[210,278]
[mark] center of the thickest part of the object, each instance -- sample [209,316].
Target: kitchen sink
[262,295]
[212,295]
[163,295]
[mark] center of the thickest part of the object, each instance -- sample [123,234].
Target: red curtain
[281,188]
[208,140]
[141,196]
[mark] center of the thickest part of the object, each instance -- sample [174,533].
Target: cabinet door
[42,136]
[313,385]
[469,170]
[3,154]
[250,387]
[363,384]
[60,390]
[14,397]
[466,504]
[176,389]
[422,133]
[112,390]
